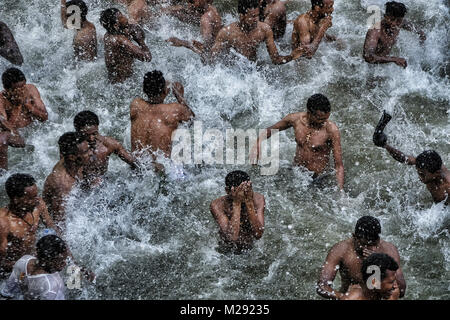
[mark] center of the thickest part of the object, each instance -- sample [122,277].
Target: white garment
[21,285]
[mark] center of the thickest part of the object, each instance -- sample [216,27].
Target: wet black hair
[12,76]
[245,5]
[382,260]
[368,228]
[429,160]
[154,83]
[48,248]
[17,183]
[108,18]
[262,7]
[395,9]
[80,4]
[316,3]
[318,102]
[68,143]
[235,178]
[85,118]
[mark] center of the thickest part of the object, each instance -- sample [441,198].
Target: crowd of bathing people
[30,264]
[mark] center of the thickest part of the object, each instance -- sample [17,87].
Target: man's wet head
[248,13]
[395,12]
[13,79]
[319,108]
[322,7]
[367,234]
[388,267]
[155,86]
[74,148]
[428,165]
[22,192]
[113,21]
[234,179]
[80,4]
[87,122]
[51,253]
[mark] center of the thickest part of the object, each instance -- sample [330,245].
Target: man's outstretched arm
[370,47]
[400,156]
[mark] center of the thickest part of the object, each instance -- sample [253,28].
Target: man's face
[389,284]
[425,176]
[318,118]
[393,22]
[250,19]
[327,8]
[17,89]
[362,244]
[91,133]
[84,153]
[29,201]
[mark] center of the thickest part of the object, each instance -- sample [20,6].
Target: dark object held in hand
[379,138]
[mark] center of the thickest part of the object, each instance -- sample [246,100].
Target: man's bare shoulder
[3,214]
[217,204]
[354,293]
[302,19]
[58,173]
[331,126]
[389,248]
[211,14]
[342,247]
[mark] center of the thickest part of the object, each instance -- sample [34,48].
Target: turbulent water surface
[151,239]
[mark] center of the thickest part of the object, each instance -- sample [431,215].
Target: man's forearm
[328,292]
[375,59]
[340,176]
[396,154]
[252,217]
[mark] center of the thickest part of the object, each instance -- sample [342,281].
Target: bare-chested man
[85,38]
[74,150]
[239,214]
[102,147]
[384,288]
[120,50]
[347,258]
[245,36]
[21,101]
[316,137]
[20,104]
[138,10]
[379,41]
[153,122]
[311,27]
[8,46]
[202,13]
[20,220]
[273,12]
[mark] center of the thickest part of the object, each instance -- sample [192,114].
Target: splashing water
[151,239]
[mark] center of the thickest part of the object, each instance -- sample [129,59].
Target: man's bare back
[153,122]
[85,42]
[120,47]
[275,17]
[138,10]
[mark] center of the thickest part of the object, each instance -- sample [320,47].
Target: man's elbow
[368,57]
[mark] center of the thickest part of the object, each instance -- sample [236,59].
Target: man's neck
[72,169]
[157,100]
[17,210]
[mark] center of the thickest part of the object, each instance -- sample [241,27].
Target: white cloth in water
[21,285]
